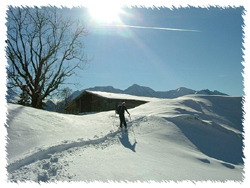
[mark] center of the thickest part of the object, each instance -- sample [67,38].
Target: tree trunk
[36,101]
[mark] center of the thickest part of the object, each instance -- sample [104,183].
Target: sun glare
[105,14]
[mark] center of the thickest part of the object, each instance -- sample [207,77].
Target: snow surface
[195,137]
[121,96]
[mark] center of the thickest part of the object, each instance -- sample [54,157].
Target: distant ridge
[138,90]
[135,89]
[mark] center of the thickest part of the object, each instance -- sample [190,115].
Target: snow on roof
[121,96]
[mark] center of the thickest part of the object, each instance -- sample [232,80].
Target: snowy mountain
[176,93]
[194,137]
[208,92]
[138,90]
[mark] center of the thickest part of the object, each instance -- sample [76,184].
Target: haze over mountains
[148,92]
[135,89]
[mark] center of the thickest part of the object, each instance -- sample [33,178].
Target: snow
[121,96]
[195,138]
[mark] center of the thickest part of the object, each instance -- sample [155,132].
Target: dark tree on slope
[43,49]
[24,98]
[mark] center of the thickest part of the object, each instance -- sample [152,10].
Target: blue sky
[165,49]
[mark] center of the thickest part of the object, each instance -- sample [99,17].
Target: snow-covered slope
[195,137]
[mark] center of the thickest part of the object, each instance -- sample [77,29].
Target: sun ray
[105,14]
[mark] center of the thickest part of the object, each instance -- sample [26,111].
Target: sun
[105,14]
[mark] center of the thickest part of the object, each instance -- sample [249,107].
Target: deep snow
[195,137]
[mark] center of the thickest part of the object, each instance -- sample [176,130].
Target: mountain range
[148,92]
[135,89]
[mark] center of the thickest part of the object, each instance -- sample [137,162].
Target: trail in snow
[48,158]
[46,153]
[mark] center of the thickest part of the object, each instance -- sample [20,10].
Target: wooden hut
[97,101]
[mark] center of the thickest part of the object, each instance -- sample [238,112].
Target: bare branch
[43,49]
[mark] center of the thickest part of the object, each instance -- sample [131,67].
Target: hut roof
[109,95]
[121,96]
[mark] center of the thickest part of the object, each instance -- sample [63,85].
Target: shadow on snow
[125,141]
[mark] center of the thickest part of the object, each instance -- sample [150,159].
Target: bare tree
[66,95]
[43,49]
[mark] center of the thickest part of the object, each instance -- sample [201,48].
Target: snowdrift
[195,137]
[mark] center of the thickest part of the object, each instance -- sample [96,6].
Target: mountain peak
[105,89]
[138,90]
[135,85]
[184,89]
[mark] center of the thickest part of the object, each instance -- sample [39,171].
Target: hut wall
[72,109]
[85,103]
